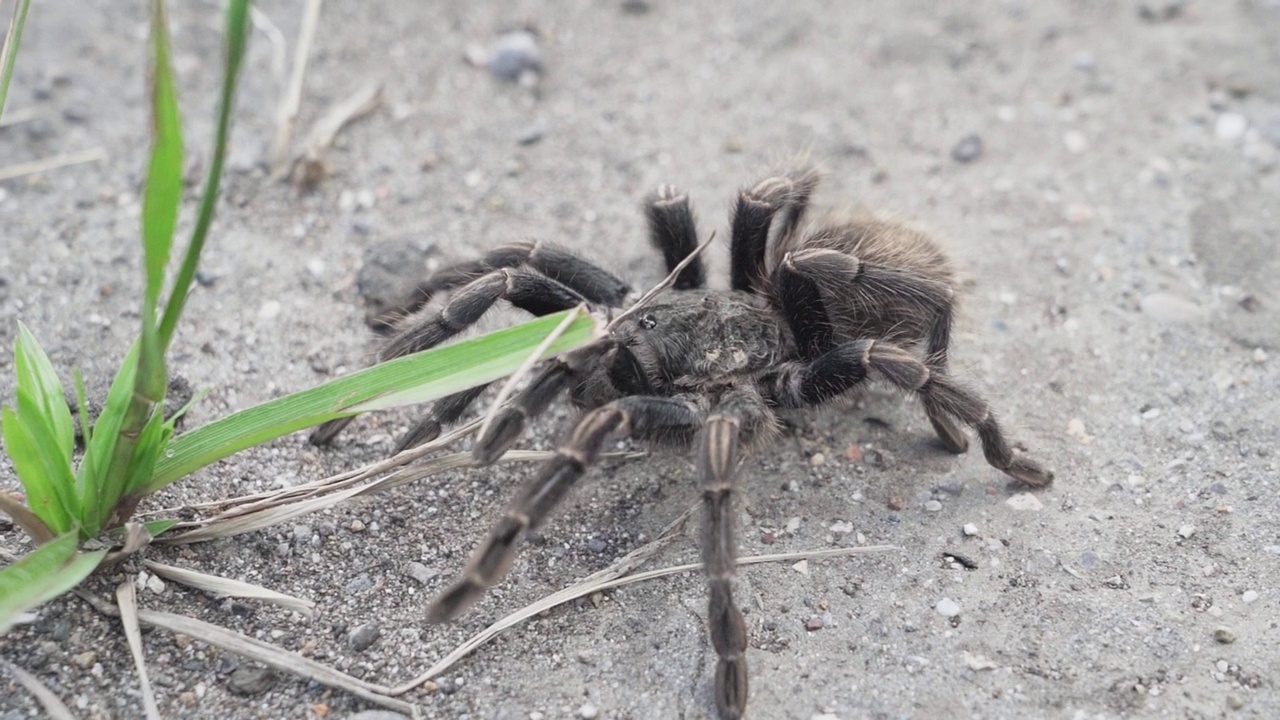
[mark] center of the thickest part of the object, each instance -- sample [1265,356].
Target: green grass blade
[36,376]
[9,51]
[420,377]
[93,483]
[46,477]
[237,24]
[82,409]
[163,194]
[43,574]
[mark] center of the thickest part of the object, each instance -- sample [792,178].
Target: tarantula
[812,313]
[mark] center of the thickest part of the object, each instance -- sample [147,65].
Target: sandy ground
[1117,233]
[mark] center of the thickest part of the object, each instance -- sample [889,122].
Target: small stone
[1075,142]
[947,607]
[359,584]
[357,526]
[531,134]
[1224,635]
[365,636]
[514,56]
[250,680]
[596,545]
[813,623]
[588,711]
[1259,355]
[1151,413]
[1230,126]
[933,506]
[270,310]
[1186,531]
[1076,429]
[975,661]
[853,453]
[1249,596]
[421,573]
[801,567]
[302,533]
[155,584]
[970,530]
[1024,501]
[85,660]
[967,150]
[1235,702]
[817,459]
[896,502]
[841,527]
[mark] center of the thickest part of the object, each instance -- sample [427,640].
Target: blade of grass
[127,600]
[9,51]
[43,695]
[429,375]
[92,484]
[25,519]
[226,587]
[237,24]
[41,575]
[47,480]
[35,375]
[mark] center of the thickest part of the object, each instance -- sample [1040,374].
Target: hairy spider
[812,313]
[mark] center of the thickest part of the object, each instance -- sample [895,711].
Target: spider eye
[647,322]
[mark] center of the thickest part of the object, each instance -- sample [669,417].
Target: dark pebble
[596,545]
[250,680]
[813,623]
[967,150]
[531,135]
[206,279]
[365,636]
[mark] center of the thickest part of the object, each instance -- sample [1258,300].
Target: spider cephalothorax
[812,313]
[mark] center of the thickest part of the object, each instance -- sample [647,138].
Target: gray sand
[1116,226]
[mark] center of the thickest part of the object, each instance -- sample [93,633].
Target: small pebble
[979,662]
[933,506]
[801,567]
[1186,531]
[817,459]
[596,545]
[813,623]
[1249,596]
[1169,308]
[1024,501]
[1259,355]
[1230,126]
[357,526]
[967,150]
[1075,142]
[588,711]
[853,453]
[1224,635]
[269,310]
[420,572]
[970,530]
[947,607]
[896,502]
[365,636]
[250,680]
[302,533]
[531,134]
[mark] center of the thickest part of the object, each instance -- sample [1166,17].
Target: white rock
[801,567]
[588,711]
[947,607]
[1186,531]
[1248,596]
[1024,501]
[1230,126]
[970,529]
[979,662]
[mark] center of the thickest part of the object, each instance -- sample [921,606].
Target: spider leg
[735,423]
[667,420]
[672,231]
[810,382]
[589,280]
[523,288]
[444,412]
[624,373]
[753,214]
[800,277]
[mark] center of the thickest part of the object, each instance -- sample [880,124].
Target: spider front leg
[800,278]
[528,290]
[673,231]
[753,215]
[740,417]
[668,420]
[812,382]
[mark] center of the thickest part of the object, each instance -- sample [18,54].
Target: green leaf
[237,30]
[416,378]
[36,376]
[41,575]
[163,193]
[92,484]
[45,475]
[9,50]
